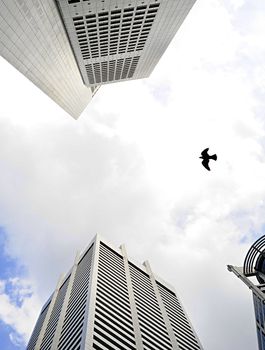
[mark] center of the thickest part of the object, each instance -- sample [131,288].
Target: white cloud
[18,308]
[16,339]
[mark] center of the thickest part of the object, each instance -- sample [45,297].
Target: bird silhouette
[206,158]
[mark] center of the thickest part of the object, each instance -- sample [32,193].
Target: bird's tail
[214,157]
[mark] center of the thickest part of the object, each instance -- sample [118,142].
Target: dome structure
[254,264]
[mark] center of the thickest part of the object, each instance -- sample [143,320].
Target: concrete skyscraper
[107,302]
[34,41]
[68,48]
[254,266]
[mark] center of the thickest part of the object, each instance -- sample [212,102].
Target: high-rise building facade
[254,266]
[33,39]
[108,302]
[68,48]
[116,40]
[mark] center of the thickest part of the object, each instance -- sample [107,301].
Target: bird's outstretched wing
[205,163]
[205,153]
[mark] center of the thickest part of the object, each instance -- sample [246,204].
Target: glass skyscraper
[108,302]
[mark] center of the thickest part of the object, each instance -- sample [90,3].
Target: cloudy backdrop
[129,170]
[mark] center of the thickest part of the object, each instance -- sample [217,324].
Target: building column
[162,307]
[136,325]
[87,341]
[48,315]
[64,306]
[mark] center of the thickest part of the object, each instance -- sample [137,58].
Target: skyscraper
[108,302]
[68,48]
[116,40]
[34,41]
[254,266]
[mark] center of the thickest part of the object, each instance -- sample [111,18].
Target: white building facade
[107,302]
[33,39]
[68,48]
[117,40]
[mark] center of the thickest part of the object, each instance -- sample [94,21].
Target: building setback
[107,302]
[254,266]
[68,48]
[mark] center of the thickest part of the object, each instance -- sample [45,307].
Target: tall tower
[33,39]
[117,40]
[254,266]
[68,48]
[108,302]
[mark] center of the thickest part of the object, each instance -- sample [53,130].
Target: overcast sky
[129,170]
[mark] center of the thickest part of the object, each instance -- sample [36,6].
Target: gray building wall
[108,302]
[34,41]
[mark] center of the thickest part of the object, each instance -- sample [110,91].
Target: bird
[206,158]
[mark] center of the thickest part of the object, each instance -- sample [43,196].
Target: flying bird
[206,158]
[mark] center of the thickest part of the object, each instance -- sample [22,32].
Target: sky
[128,169]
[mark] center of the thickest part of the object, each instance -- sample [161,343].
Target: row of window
[101,72]
[37,329]
[153,330]
[72,329]
[113,327]
[55,314]
[95,30]
[180,324]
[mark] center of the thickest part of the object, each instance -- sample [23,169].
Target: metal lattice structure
[253,257]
